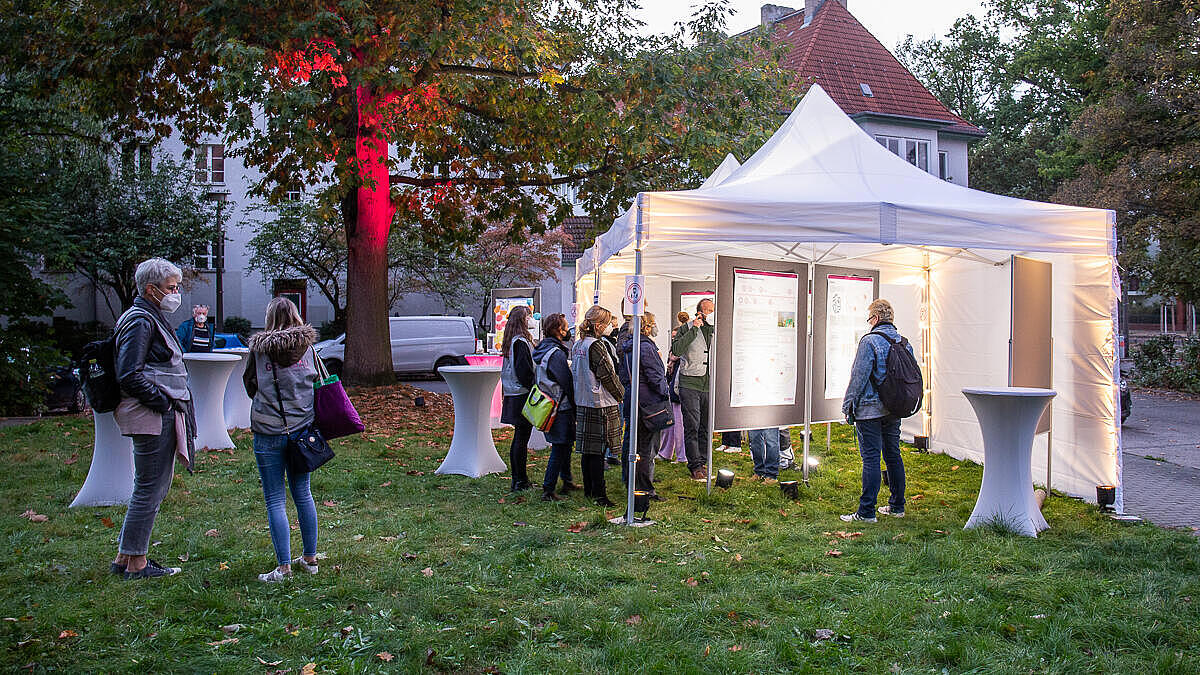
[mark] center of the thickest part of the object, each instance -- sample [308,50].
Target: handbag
[307,450]
[333,413]
[540,406]
[657,416]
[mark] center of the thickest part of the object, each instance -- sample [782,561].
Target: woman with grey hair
[155,409]
[279,377]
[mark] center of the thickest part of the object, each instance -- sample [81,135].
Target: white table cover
[237,403]
[472,451]
[1008,418]
[110,477]
[207,376]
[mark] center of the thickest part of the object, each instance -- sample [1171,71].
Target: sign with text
[764,366]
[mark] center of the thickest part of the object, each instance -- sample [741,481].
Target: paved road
[1161,463]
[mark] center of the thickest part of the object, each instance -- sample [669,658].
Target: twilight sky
[888,20]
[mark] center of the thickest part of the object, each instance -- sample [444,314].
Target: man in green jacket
[692,345]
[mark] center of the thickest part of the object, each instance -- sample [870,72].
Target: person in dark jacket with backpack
[561,435]
[877,428]
[155,409]
[652,391]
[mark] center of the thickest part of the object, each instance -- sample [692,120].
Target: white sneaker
[274,576]
[887,511]
[303,564]
[853,517]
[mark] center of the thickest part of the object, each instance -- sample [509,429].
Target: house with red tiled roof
[826,45]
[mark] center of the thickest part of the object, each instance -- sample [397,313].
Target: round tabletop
[194,356]
[469,369]
[1009,391]
[232,350]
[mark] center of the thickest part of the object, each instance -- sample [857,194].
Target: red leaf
[634,620]
[107,522]
[329,503]
[67,634]
[834,553]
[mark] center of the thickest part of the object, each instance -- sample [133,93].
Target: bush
[70,337]
[1158,366]
[237,324]
[27,355]
[331,329]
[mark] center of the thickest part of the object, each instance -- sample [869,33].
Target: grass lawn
[446,573]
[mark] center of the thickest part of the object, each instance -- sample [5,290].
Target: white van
[420,344]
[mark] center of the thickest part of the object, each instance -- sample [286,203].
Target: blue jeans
[558,465]
[880,436]
[764,449]
[272,469]
[154,467]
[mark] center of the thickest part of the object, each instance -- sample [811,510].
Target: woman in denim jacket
[878,430]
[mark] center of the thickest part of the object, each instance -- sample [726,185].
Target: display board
[759,345]
[685,296]
[503,300]
[1030,356]
[841,296]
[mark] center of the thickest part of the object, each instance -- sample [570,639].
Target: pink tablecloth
[497,397]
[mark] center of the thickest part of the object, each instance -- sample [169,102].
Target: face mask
[712,318]
[654,332]
[170,301]
[530,324]
[608,330]
[201,318]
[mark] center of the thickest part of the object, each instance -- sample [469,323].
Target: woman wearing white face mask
[516,379]
[155,409]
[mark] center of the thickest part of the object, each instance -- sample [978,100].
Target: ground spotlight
[1106,496]
[790,489]
[724,478]
[641,503]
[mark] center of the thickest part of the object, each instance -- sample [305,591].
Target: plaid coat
[597,429]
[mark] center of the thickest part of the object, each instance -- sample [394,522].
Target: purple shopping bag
[333,413]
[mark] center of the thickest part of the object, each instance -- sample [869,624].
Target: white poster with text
[764,367]
[845,324]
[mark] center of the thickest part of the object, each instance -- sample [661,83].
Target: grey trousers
[696,440]
[154,467]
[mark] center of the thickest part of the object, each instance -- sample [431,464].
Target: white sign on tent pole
[764,318]
[846,323]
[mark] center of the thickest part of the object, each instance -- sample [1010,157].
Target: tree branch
[481,71]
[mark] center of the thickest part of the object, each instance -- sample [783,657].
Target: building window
[913,150]
[136,159]
[210,163]
[206,257]
[944,165]
[295,192]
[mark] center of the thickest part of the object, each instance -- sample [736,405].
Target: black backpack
[98,373]
[902,389]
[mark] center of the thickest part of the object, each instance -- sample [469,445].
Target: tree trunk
[368,342]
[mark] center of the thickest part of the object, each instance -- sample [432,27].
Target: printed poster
[764,367]
[689,300]
[845,324]
[502,308]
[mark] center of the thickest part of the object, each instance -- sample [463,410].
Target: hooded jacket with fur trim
[284,358]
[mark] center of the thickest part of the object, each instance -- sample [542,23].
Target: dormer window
[866,89]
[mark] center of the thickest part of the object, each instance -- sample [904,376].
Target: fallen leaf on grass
[410,556]
[520,523]
[268,663]
[691,581]
[428,571]
[358,537]
[737,557]
[735,648]
[388,538]
[67,634]
[347,630]
[705,520]
[898,537]
[223,566]
[385,656]
[823,634]
[329,503]
[783,513]
[577,527]
[34,516]
[707,649]
[917,497]
[429,654]
[834,553]
[231,628]
[183,558]
[226,641]
[500,501]
[954,468]
[309,669]
[211,533]
[107,522]
[385,484]
[71,460]
[634,620]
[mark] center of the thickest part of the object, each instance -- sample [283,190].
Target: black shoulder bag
[307,450]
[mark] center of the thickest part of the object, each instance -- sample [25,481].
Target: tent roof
[821,179]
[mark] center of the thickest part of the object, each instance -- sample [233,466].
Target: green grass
[513,590]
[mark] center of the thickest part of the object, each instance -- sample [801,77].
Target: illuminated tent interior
[822,191]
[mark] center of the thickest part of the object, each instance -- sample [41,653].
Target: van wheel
[446,361]
[334,366]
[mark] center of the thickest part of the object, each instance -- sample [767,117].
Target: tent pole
[635,374]
[712,389]
[808,362]
[927,354]
[596,273]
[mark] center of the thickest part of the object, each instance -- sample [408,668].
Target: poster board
[759,345]
[502,301]
[1030,348]
[839,321]
[685,295]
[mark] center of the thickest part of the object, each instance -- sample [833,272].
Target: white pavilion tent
[822,191]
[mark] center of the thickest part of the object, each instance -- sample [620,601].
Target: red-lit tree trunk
[368,342]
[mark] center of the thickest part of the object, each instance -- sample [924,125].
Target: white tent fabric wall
[822,190]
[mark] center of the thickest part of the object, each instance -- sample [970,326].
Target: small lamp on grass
[1106,496]
[641,503]
[725,478]
[790,489]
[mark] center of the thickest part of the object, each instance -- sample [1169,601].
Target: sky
[888,20]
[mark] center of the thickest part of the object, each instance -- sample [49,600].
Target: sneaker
[116,568]
[730,448]
[152,570]
[767,480]
[521,487]
[887,511]
[756,478]
[274,576]
[310,567]
[854,517]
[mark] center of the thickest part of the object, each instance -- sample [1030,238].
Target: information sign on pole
[635,294]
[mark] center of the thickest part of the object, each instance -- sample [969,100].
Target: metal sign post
[635,295]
